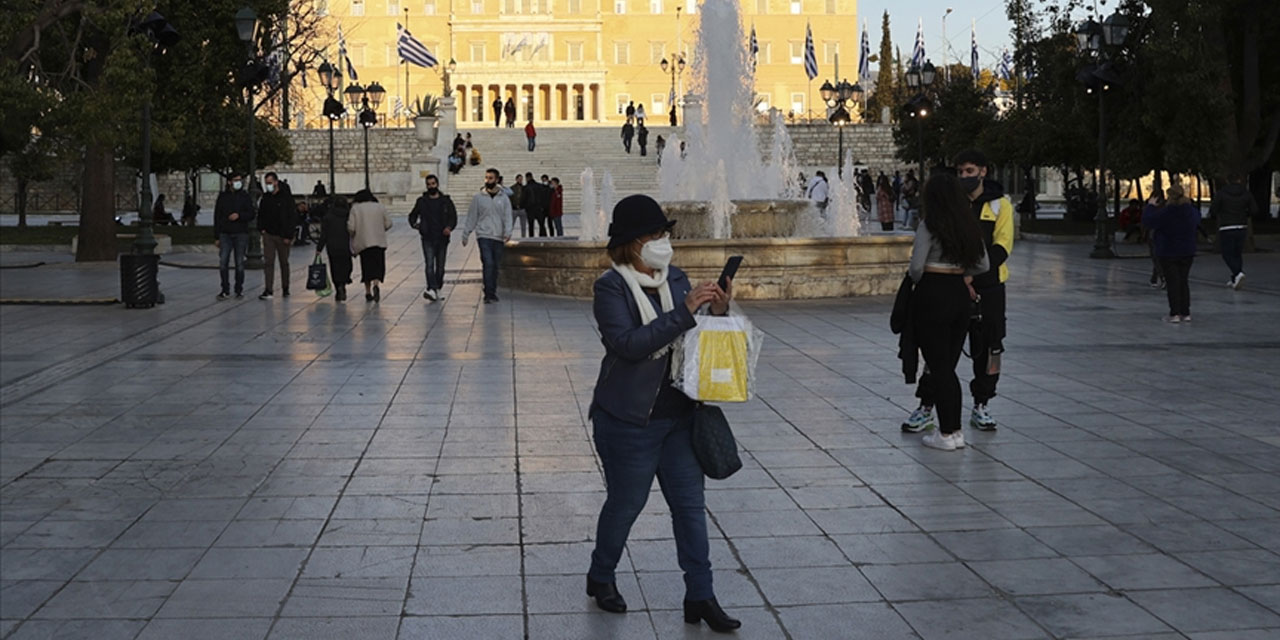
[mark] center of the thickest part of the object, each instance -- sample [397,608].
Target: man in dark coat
[642,138]
[277,222]
[537,203]
[497,112]
[434,216]
[231,217]
[628,131]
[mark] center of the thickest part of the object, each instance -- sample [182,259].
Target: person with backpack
[434,216]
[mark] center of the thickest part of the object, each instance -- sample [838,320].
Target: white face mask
[269,187]
[236,184]
[656,254]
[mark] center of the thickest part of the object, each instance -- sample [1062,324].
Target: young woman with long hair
[947,253]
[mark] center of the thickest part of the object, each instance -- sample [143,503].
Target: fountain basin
[752,218]
[772,268]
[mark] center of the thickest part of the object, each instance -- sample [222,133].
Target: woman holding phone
[641,422]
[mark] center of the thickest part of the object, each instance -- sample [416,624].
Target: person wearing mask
[1173,226]
[531,134]
[628,132]
[884,202]
[642,138]
[335,241]
[994,212]
[518,212]
[277,222]
[536,206]
[368,225]
[489,217]
[641,423]
[1232,207]
[232,214]
[435,217]
[556,213]
[947,254]
[817,191]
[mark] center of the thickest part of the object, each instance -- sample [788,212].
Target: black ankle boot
[709,610]
[607,596]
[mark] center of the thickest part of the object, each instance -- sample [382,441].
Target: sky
[992,27]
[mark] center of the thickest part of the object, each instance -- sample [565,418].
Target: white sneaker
[1173,319]
[958,439]
[920,420]
[1237,281]
[938,440]
[430,294]
[1186,318]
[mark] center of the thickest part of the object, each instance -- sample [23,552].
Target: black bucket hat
[636,216]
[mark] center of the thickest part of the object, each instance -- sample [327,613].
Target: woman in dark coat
[337,241]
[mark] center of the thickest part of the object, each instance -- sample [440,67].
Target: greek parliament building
[582,61]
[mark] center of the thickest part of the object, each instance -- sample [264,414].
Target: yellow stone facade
[579,62]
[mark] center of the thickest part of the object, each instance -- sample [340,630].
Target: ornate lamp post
[919,78]
[676,68]
[367,99]
[330,77]
[1101,41]
[247,29]
[162,36]
[841,97]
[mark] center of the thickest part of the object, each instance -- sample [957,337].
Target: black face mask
[971,183]
[431,191]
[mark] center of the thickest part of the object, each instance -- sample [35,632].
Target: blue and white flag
[917,53]
[864,59]
[810,59]
[1006,65]
[973,50]
[342,53]
[411,50]
[754,47]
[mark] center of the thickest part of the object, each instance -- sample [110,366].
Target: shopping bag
[719,359]
[317,275]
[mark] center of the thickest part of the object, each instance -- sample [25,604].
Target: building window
[357,7]
[620,6]
[795,7]
[829,52]
[692,6]
[477,108]
[510,7]
[477,7]
[575,7]
[393,7]
[477,52]
[357,53]
[622,53]
[797,103]
[574,50]
[322,8]
[655,6]
[657,104]
[831,7]
[429,7]
[762,7]
[623,100]
[657,52]
[766,53]
[763,102]
[797,51]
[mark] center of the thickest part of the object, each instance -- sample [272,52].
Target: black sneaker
[266,295]
[285,293]
[224,295]
[377,293]
[239,295]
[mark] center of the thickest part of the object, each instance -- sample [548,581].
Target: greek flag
[864,59]
[973,51]
[755,47]
[1006,64]
[917,54]
[411,50]
[810,60]
[342,53]
[397,107]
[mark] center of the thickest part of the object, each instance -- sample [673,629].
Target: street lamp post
[1098,39]
[367,99]
[676,68]
[841,97]
[162,36]
[330,76]
[919,78]
[247,29]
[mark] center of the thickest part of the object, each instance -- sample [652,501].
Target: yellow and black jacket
[995,217]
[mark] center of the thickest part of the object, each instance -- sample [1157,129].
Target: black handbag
[317,277]
[713,443]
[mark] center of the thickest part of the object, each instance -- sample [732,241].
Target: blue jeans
[632,455]
[490,258]
[532,143]
[1232,249]
[558,225]
[228,242]
[433,252]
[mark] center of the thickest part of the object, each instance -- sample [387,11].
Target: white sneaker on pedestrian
[939,440]
[429,294]
[958,438]
[1173,319]
[1237,281]
[920,420]
[1186,318]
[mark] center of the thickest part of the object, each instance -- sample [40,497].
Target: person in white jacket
[489,216]
[368,226]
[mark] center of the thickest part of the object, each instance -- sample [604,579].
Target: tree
[959,119]
[886,93]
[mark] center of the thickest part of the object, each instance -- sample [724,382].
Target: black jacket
[536,199]
[628,131]
[433,226]
[229,202]
[900,323]
[278,213]
[642,135]
[1233,205]
[629,379]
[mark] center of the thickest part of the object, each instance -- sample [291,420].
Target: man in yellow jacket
[986,339]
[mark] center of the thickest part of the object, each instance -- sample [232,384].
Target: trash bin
[138,286]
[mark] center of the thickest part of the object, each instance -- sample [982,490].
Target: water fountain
[730,199]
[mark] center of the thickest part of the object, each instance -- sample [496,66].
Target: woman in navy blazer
[641,422]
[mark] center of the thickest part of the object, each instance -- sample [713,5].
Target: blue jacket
[629,379]
[1175,228]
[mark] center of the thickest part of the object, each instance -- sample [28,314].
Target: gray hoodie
[489,216]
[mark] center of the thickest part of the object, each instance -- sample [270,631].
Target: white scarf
[637,281]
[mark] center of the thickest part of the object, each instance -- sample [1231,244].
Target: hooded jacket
[1233,205]
[995,218]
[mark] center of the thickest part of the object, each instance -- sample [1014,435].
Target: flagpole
[406,62]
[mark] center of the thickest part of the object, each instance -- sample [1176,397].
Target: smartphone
[730,270]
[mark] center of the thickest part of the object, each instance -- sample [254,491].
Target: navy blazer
[629,379]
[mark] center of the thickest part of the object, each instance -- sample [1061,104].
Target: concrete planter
[425,127]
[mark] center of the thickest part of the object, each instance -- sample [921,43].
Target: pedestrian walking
[1173,226]
[489,217]
[435,217]
[642,423]
[556,213]
[628,132]
[510,111]
[368,225]
[911,198]
[640,115]
[497,112]
[278,224]
[817,190]
[531,134]
[518,212]
[1157,272]
[946,256]
[671,115]
[884,202]
[537,204]
[335,242]
[659,146]
[866,190]
[189,211]
[1232,207]
[631,110]
[642,137]
[897,188]
[232,214]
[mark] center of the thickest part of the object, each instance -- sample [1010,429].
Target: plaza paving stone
[302,469]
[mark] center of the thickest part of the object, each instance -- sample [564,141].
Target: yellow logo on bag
[722,366]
